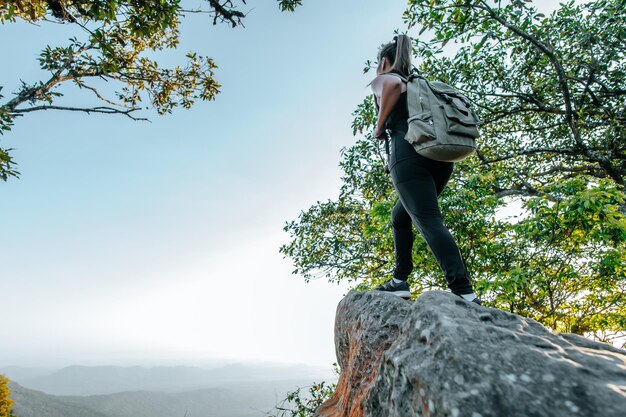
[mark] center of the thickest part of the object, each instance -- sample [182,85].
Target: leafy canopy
[115,38]
[550,90]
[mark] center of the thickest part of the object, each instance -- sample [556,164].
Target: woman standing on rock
[418,180]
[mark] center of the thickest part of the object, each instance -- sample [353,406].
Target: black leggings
[418,182]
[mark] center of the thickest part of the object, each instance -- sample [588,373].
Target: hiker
[417,179]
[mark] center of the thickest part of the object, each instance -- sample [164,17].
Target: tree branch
[57,77]
[498,115]
[569,116]
[99,109]
[97,93]
[533,151]
[223,13]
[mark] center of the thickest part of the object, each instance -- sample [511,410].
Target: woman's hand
[380,134]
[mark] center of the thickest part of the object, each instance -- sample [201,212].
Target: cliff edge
[441,356]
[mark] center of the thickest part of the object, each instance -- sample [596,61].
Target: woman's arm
[387,89]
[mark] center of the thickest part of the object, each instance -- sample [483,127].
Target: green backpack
[442,124]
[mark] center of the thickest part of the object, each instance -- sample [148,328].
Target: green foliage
[299,404]
[550,90]
[6,161]
[565,260]
[304,404]
[289,5]
[5,402]
[118,40]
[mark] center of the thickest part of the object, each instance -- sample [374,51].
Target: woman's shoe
[400,289]
[475,300]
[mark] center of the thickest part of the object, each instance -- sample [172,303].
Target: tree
[551,93]
[115,37]
[5,402]
[551,89]
[303,404]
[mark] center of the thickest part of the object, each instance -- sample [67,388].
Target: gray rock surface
[448,357]
[366,324]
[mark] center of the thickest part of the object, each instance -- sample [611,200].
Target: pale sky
[130,241]
[159,240]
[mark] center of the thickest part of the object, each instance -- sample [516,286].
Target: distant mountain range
[231,390]
[239,400]
[29,403]
[93,380]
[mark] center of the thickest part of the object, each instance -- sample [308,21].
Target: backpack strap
[413,98]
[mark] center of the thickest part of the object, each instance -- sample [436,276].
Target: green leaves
[29,10]
[305,404]
[289,5]
[118,44]
[7,165]
[559,254]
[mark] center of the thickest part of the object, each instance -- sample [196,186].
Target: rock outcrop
[443,356]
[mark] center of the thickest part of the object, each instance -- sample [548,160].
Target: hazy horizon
[149,362]
[228,391]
